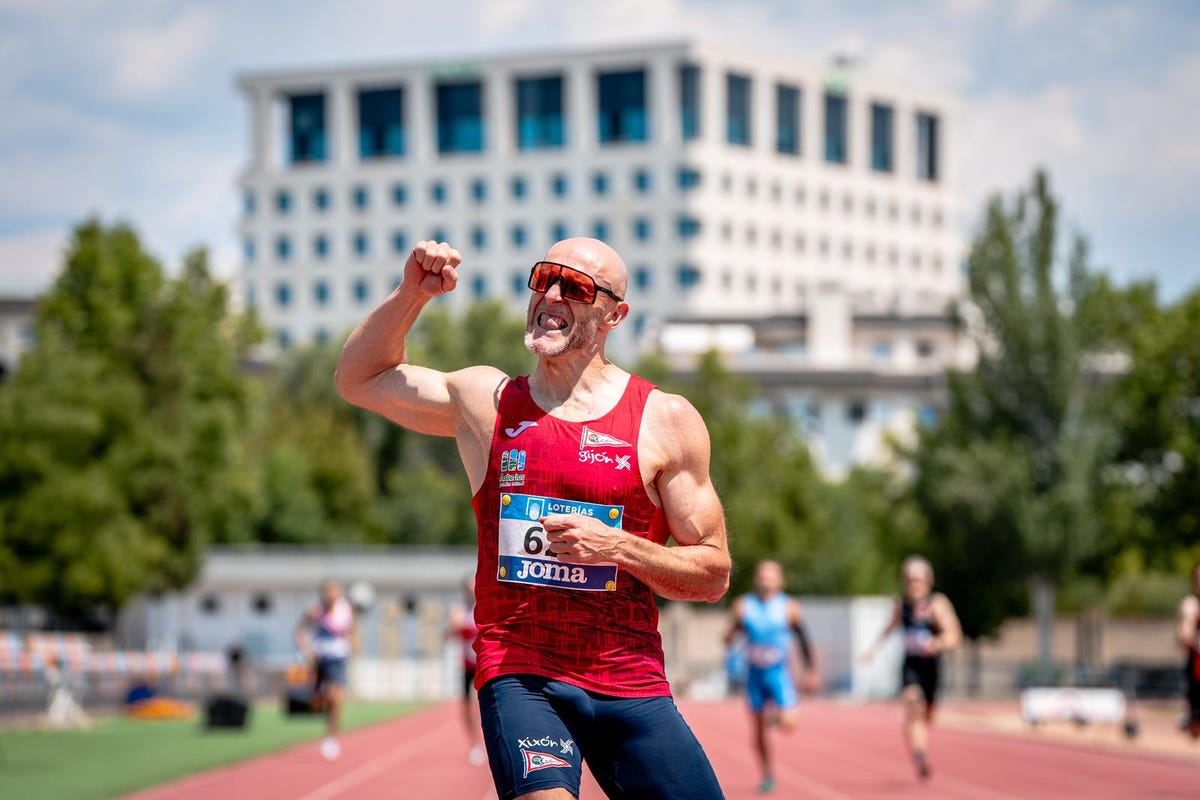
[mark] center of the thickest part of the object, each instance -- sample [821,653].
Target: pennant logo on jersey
[593,438]
[535,761]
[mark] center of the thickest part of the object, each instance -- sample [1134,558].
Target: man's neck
[576,387]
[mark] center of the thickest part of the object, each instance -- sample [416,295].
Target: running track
[839,751]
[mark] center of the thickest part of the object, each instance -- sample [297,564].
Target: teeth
[550,322]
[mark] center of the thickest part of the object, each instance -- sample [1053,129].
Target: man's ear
[619,312]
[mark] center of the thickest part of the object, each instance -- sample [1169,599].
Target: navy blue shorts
[539,731]
[331,671]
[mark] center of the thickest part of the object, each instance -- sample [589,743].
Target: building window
[306,127]
[622,106]
[248,203]
[927,417]
[439,235]
[881,137]
[641,229]
[925,348]
[479,287]
[321,246]
[400,242]
[518,235]
[600,230]
[251,297]
[856,411]
[361,244]
[519,188]
[283,338]
[600,183]
[399,194]
[836,128]
[559,231]
[479,237]
[642,278]
[641,181]
[362,290]
[687,276]
[927,147]
[210,605]
[787,119]
[283,201]
[283,294]
[559,185]
[689,227]
[518,282]
[320,199]
[460,117]
[321,293]
[438,193]
[689,102]
[689,178]
[381,123]
[479,190]
[283,248]
[539,113]
[362,197]
[738,107]
[881,350]
[248,249]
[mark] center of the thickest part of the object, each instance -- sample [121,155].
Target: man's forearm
[378,341]
[684,572]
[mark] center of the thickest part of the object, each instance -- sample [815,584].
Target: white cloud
[149,60]
[30,261]
[1027,13]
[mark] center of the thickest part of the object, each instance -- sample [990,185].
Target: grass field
[119,755]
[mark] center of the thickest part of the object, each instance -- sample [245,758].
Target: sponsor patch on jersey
[535,761]
[591,438]
[512,468]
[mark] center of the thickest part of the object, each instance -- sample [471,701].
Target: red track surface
[839,751]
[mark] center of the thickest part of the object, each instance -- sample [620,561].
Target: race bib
[915,642]
[524,555]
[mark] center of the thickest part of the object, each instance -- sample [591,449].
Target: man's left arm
[951,630]
[698,567]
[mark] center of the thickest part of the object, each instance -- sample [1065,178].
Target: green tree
[122,448]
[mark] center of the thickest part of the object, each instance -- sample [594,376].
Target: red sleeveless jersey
[590,625]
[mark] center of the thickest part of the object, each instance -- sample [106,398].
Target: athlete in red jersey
[1187,633]
[581,473]
[462,627]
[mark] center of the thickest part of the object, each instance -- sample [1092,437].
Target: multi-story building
[738,187]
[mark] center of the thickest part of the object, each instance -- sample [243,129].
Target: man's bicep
[694,513]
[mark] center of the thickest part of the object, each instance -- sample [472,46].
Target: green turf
[118,756]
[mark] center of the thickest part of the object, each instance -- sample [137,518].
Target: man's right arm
[1185,631]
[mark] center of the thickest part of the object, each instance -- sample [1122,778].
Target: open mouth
[551,323]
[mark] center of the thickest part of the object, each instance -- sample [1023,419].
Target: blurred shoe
[477,757]
[923,771]
[767,786]
[330,749]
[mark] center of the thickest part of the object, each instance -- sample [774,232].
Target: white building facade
[737,187]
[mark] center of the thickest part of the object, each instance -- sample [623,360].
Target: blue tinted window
[927,147]
[882,122]
[559,231]
[283,338]
[836,129]
[361,243]
[687,276]
[399,194]
[283,201]
[519,188]
[321,246]
[322,336]
[688,227]
[600,183]
[438,193]
[642,278]
[479,190]
[787,119]
[248,203]
[306,124]
[622,106]
[400,242]
[439,235]
[559,185]
[321,199]
[737,109]
[362,197]
[479,286]
[321,293]
[641,229]
[642,181]
[248,249]
[381,123]
[689,101]
[540,113]
[520,282]
[689,178]
[251,297]
[460,117]
[283,248]
[479,237]
[518,235]
[283,294]
[362,290]
[639,324]
[600,230]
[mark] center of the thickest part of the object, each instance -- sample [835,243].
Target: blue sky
[127,108]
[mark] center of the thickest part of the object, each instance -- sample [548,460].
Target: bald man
[580,474]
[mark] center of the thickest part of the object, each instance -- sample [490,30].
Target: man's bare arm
[1185,631]
[947,620]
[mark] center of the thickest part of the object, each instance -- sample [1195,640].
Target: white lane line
[380,763]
